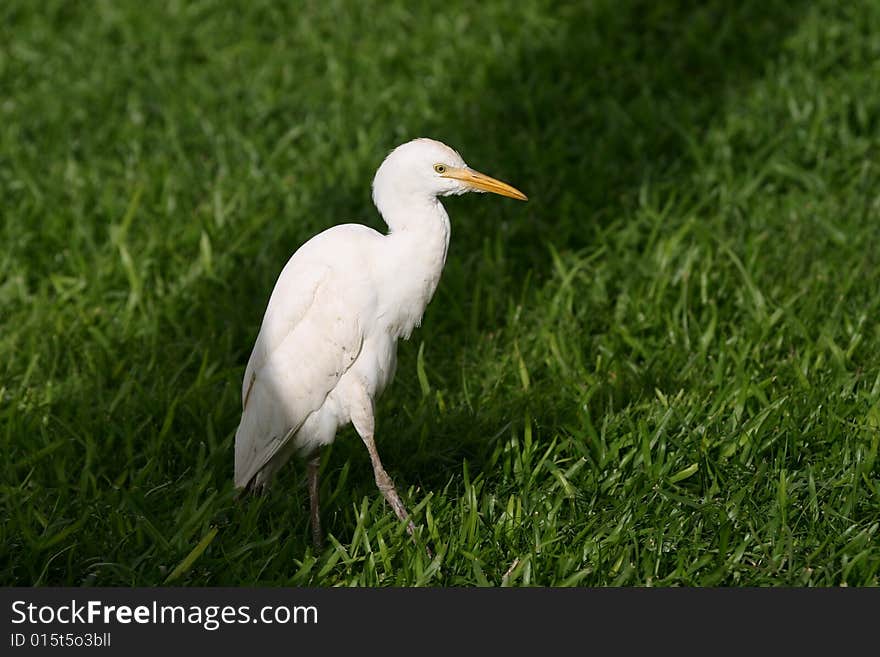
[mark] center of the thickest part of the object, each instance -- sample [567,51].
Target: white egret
[327,347]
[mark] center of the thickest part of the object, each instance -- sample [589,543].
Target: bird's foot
[391,496]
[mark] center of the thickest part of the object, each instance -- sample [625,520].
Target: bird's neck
[417,242]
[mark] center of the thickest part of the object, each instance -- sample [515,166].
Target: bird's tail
[250,449]
[263,431]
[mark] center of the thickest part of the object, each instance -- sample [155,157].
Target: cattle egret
[327,347]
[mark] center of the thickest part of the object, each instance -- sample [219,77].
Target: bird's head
[425,168]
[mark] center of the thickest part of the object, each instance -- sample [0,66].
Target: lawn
[664,369]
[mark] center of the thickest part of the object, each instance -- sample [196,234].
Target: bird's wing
[293,295]
[308,340]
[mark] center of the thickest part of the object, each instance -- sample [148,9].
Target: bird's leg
[385,484]
[364,424]
[313,467]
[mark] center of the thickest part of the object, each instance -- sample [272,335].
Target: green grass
[662,370]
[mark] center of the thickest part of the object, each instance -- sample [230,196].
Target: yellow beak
[484,183]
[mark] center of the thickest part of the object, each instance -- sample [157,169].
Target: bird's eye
[440,168]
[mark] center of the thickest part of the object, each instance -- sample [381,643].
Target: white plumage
[327,347]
